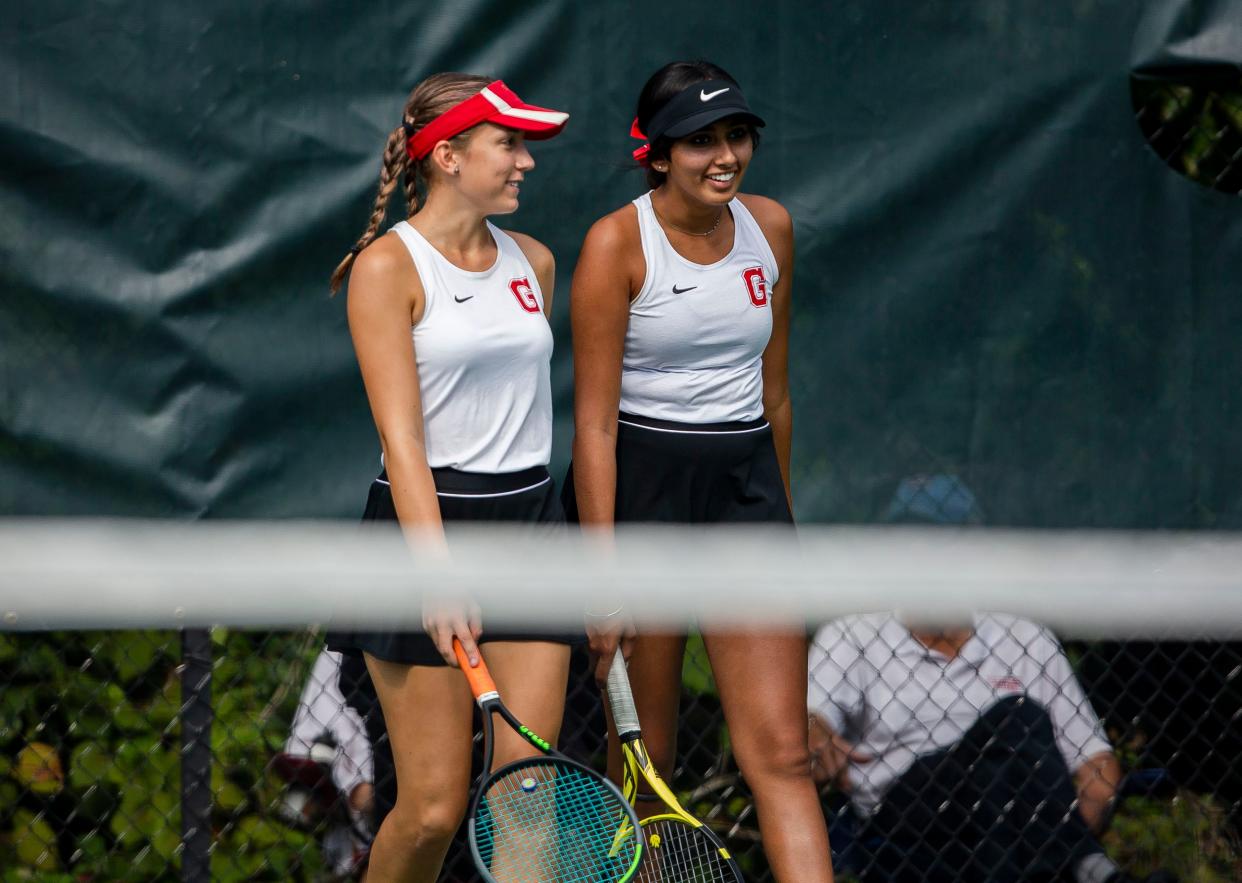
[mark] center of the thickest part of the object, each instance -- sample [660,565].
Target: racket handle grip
[621,698]
[480,678]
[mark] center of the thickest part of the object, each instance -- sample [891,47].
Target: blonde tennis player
[448,315]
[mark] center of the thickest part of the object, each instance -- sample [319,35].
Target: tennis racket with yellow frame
[678,847]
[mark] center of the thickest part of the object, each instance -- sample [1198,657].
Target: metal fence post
[196,719]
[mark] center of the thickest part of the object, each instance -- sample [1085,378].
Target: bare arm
[1096,781]
[385,300]
[600,310]
[384,296]
[777,226]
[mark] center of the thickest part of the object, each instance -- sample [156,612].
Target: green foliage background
[107,704]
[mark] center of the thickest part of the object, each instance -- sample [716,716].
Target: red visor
[639,153]
[496,103]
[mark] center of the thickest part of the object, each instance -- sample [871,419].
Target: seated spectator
[970,753]
[328,761]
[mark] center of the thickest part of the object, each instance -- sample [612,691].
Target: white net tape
[131,574]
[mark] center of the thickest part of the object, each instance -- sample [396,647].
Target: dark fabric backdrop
[995,277]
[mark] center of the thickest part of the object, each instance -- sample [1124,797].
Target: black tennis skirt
[694,473]
[528,497]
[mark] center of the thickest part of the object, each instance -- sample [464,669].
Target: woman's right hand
[831,756]
[604,635]
[448,618]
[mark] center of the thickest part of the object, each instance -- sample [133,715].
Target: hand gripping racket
[545,819]
[679,848]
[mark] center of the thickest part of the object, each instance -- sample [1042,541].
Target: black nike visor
[698,106]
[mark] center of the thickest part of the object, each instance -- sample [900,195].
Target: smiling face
[708,165]
[492,166]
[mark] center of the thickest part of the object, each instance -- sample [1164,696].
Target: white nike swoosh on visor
[708,96]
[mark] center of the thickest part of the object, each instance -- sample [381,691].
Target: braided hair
[430,98]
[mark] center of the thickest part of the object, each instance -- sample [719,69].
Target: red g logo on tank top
[756,285]
[524,293]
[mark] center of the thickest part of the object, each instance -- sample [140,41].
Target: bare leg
[655,674]
[762,677]
[532,677]
[427,712]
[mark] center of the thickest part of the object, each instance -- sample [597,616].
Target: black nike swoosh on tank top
[677,290]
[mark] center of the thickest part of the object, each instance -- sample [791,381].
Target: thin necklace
[719,215]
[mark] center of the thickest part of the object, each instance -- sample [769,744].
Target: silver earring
[456,170]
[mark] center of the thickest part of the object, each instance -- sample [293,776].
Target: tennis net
[166,707]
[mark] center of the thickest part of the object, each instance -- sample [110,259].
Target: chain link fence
[1193,122]
[98,778]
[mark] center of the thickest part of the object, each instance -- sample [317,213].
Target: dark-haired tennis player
[681,325]
[449,320]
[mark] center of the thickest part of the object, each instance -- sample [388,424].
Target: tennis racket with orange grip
[544,818]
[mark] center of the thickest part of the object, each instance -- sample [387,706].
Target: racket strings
[546,822]
[680,853]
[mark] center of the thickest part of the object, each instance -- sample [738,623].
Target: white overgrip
[621,698]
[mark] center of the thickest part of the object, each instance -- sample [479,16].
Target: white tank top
[696,335]
[483,349]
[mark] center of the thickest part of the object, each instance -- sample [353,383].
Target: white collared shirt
[323,709]
[882,689]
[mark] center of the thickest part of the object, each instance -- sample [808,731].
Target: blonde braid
[429,99]
[395,161]
[413,202]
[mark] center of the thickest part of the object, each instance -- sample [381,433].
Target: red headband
[495,103]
